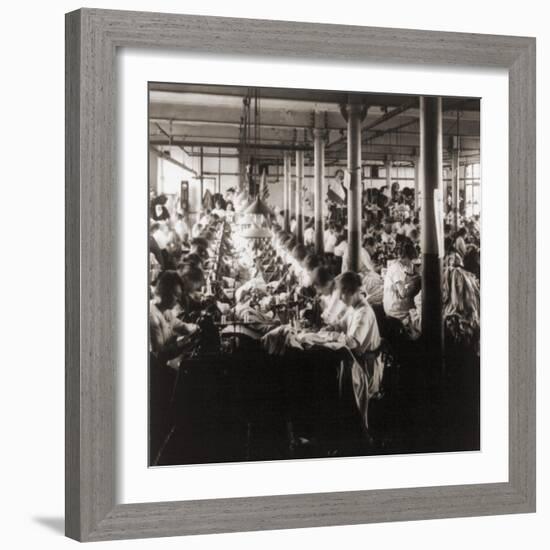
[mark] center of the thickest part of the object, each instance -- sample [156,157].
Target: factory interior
[314,273]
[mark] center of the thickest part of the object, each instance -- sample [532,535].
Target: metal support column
[286,190]
[355,115]
[299,186]
[319,177]
[455,186]
[201,175]
[431,148]
[417,182]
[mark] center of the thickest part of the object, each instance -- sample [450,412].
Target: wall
[222,173]
[33,324]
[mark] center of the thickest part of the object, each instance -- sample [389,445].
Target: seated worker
[330,238]
[199,246]
[219,209]
[460,241]
[400,283]
[309,264]
[309,233]
[332,308]
[359,323]
[299,252]
[165,328]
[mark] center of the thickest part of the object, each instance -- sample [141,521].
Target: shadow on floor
[54,524]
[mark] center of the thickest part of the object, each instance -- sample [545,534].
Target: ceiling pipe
[156,141]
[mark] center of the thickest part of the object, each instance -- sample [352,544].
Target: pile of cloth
[279,339]
[461,304]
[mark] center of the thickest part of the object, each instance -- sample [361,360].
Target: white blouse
[361,329]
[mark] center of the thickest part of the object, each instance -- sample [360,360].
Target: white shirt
[330,242]
[341,248]
[219,212]
[397,228]
[333,309]
[161,238]
[196,230]
[181,228]
[309,236]
[365,261]
[394,304]
[387,237]
[407,229]
[361,328]
[373,285]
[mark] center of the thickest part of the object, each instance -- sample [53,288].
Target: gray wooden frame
[92,39]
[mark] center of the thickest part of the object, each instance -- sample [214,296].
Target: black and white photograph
[314,274]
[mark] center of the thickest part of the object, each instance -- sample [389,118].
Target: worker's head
[169,289]
[370,245]
[322,280]
[191,259]
[192,278]
[299,253]
[349,285]
[407,253]
[199,245]
[311,262]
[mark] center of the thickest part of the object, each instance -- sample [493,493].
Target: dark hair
[291,243]
[192,273]
[369,241]
[192,259]
[408,251]
[167,283]
[321,276]
[349,282]
[311,261]
[299,252]
[199,242]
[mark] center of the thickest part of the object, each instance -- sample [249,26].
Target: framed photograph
[300,275]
